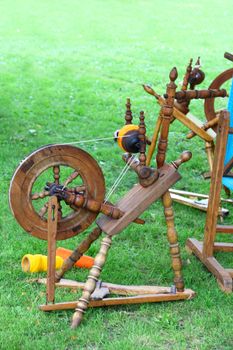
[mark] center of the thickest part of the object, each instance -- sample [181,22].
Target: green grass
[66,68]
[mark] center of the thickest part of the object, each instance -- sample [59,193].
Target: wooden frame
[205,250]
[131,294]
[132,205]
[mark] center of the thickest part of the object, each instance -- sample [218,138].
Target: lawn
[66,69]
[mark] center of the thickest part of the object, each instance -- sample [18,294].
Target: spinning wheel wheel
[210,104]
[62,165]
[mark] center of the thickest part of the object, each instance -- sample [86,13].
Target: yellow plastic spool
[123,131]
[38,263]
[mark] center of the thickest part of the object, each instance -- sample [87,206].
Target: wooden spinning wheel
[57,177]
[65,166]
[217,83]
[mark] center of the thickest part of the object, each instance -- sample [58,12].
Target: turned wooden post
[209,147]
[183,104]
[128,112]
[90,284]
[142,138]
[167,112]
[77,253]
[56,176]
[173,242]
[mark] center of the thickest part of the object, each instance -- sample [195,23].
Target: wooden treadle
[138,199]
[137,299]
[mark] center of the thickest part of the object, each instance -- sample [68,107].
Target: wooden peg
[128,112]
[198,62]
[186,76]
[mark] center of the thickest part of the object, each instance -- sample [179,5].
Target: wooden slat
[223,247]
[224,229]
[151,298]
[216,185]
[196,204]
[138,199]
[195,125]
[197,195]
[113,288]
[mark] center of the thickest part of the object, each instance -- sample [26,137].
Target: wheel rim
[209,105]
[27,177]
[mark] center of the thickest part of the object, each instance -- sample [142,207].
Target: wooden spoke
[77,189]
[71,178]
[44,210]
[56,174]
[39,195]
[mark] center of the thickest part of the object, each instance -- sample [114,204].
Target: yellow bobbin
[38,263]
[123,131]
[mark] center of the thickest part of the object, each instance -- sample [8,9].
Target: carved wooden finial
[184,157]
[173,74]
[142,138]
[128,112]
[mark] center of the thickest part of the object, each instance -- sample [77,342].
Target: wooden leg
[154,139]
[209,147]
[52,232]
[173,242]
[223,275]
[77,253]
[215,187]
[91,281]
[205,250]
